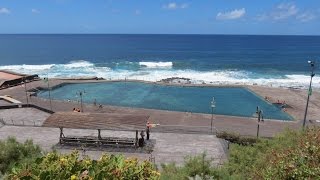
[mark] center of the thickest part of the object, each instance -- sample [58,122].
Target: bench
[78,141]
[94,141]
[117,142]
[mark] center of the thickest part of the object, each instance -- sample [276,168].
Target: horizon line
[205,34]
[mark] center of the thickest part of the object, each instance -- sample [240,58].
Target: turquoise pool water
[229,100]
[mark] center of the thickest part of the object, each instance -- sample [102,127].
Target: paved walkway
[23,116]
[168,148]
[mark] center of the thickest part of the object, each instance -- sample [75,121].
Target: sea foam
[155,71]
[156,64]
[26,67]
[79,64]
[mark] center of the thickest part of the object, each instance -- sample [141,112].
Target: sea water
[216,59]
[228,101]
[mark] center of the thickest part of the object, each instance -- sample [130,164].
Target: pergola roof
[107,121]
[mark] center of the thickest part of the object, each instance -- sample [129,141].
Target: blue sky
[161,17]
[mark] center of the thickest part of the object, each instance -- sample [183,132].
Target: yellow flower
[63,160]
[156,173]
[74,177]
[87,162]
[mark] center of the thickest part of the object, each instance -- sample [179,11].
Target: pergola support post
[136,142]
[61,135]
[99,134]
[99,138]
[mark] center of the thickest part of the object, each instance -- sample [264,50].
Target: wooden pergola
[96,121]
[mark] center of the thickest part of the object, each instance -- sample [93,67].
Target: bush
[13,152]
[300,160]
[56,166]
[172,172]
[236,138]
[192,167]
[241,160]
[284,157]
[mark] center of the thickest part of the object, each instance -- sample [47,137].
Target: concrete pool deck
[296,98]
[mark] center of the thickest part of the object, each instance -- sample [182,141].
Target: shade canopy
[103,121]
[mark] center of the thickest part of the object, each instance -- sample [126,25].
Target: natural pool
[232,101]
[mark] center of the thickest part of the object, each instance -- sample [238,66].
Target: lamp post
[259,114]
[81,101]
[213,105]
[81,94]
[49,91]
[25,88]
[312,64]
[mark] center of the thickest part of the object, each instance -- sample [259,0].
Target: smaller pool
[229,101]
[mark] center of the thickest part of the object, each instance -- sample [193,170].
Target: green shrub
[13,152]
[172,172]
[193,166]
[198,165]
[56,166]
[241,160]
[297,160]
[284,157]
[236,138]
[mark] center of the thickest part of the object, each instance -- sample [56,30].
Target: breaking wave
[25,67]
[79,64]
[156,64]
[155,71]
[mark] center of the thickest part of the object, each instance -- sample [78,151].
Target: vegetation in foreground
[56,166]
[13,153]
[290,155]
[25,161]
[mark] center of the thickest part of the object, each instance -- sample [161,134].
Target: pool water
[233,101]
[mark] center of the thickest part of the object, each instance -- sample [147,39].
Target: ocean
[214,59]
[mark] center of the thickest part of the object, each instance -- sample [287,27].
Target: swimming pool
[232,101]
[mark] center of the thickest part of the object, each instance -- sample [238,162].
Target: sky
[274,17]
